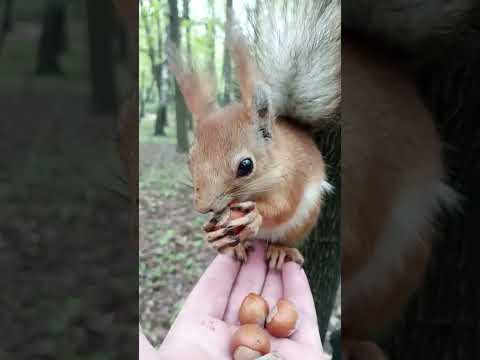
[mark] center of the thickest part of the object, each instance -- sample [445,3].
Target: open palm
[209,317]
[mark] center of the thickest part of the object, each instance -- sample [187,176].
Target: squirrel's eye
[245,167]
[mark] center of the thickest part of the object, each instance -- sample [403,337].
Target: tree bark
[102,64]
[180,108]
[7,23]
[227,63]
[186,16]
[52,41]
[161,122]
[155,55]
[322,248]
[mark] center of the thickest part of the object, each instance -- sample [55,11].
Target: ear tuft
[245,68]
[197,89]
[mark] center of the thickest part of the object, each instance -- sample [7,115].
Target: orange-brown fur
[285,161]
[297,158]
[302,163]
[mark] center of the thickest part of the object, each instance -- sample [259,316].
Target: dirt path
[174,254]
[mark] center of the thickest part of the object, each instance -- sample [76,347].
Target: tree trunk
[142,96]
[227,63]
[162,79]
[7,23]
[52,40]
[186,16]
[161,121]
[122,42]
[180,108]
[102,64]
[155,55]
[322,248]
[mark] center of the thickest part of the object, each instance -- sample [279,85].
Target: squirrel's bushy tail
[297,46]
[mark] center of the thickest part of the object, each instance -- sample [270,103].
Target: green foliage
[201,24]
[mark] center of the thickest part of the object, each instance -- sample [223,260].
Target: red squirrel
[256,152]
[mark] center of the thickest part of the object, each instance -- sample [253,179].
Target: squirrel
[257,155]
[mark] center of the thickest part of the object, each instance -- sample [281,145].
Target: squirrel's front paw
[246,227]
[231,230]
[276,256]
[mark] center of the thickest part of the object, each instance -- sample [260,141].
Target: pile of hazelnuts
[257,323]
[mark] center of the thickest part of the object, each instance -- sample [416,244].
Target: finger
[273,288]
[210,296]
[145,349]
[297,290]
[250,279]
[289,349]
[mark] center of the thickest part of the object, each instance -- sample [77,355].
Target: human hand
[209,317]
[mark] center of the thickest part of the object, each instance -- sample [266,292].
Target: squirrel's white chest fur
[311,199]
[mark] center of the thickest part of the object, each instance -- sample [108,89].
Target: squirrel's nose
[202,208]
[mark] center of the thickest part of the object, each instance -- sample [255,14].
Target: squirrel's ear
[244,65]
[256,96]
[197,89]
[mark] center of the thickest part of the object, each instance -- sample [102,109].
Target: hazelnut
[254,310]
[249,342]
[282,320]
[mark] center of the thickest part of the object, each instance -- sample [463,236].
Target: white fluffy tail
[297,46]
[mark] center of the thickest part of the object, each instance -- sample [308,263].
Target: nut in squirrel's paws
[231,230]
[277,255]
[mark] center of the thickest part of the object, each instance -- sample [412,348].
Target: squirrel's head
[230,155]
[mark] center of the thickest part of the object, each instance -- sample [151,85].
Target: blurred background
[68,289]
[173,253]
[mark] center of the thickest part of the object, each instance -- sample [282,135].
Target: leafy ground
[173,254]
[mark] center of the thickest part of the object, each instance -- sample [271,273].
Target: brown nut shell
[282,320]
[252,337]
[254,310]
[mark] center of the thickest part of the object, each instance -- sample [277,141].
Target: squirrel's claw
[233,236]
[251,230]
[245,220]
[225,243]
[276,256]
[215,235]
[239,251]
[218,220]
